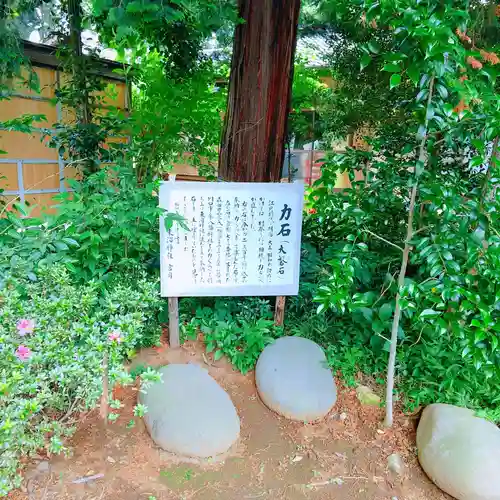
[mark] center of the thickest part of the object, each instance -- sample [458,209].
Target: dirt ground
[342,457]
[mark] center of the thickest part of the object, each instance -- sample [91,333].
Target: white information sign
[243,239]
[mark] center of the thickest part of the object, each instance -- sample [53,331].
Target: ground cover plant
[55,335]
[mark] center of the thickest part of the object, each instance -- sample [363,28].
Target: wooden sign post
[173,309]
[236,239]
[279,310]
[173,322]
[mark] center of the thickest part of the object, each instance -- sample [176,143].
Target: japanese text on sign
[243,239]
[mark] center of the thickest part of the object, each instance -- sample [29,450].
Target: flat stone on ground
[293,379]
[366,396]
[460,452]
[189,413]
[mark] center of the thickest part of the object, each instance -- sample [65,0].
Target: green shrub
[100,228]
[237,328]
[53,336]
[448,334]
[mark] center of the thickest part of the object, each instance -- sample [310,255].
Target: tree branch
[383,239]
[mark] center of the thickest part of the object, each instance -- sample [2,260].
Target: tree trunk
[253,143]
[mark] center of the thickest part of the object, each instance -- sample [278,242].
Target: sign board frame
[213,189]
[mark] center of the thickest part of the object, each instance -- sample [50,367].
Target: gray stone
[460,452]
[43,467]
[189,413]
[293,379]
[366,396]
[395,464]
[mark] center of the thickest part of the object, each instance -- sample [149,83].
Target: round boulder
[460,452]
[189,413]
[294,380]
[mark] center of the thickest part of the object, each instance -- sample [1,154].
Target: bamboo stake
[401,279]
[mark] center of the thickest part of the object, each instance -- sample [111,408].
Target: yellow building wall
[31,171]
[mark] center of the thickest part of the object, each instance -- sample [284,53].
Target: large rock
[293,379]
[460,452]
[189,413]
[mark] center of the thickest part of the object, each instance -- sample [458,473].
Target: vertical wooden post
[104,407]
[279,310]
[173,322]
[173,309]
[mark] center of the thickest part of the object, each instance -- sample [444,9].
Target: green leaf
[494,343]
[422,95]
[424,80]
[366,312]
[392,68]
[442,90]
[422,130]
[374,47]
[218,354]
[378,326]
[385,312]
[448,109]
[429,313]
[419,168]
[413,74]
[169,224]
[476,161]
[365,61]
[71,242]
[171,217]
[437,269]
[60,245]
[395,80]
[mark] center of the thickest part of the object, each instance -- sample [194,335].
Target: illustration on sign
[243,239]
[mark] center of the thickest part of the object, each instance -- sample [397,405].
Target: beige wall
[30,170]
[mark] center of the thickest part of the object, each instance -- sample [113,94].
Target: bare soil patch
[342,457]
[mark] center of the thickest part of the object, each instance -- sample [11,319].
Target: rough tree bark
[253,142]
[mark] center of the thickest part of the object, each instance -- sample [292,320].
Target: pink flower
[23,353]
[25,326]
[312,211]
[115,336]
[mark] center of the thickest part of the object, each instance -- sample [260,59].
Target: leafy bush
[103,226]
[236,328]
[448,333]
[53,337]
[115,223]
